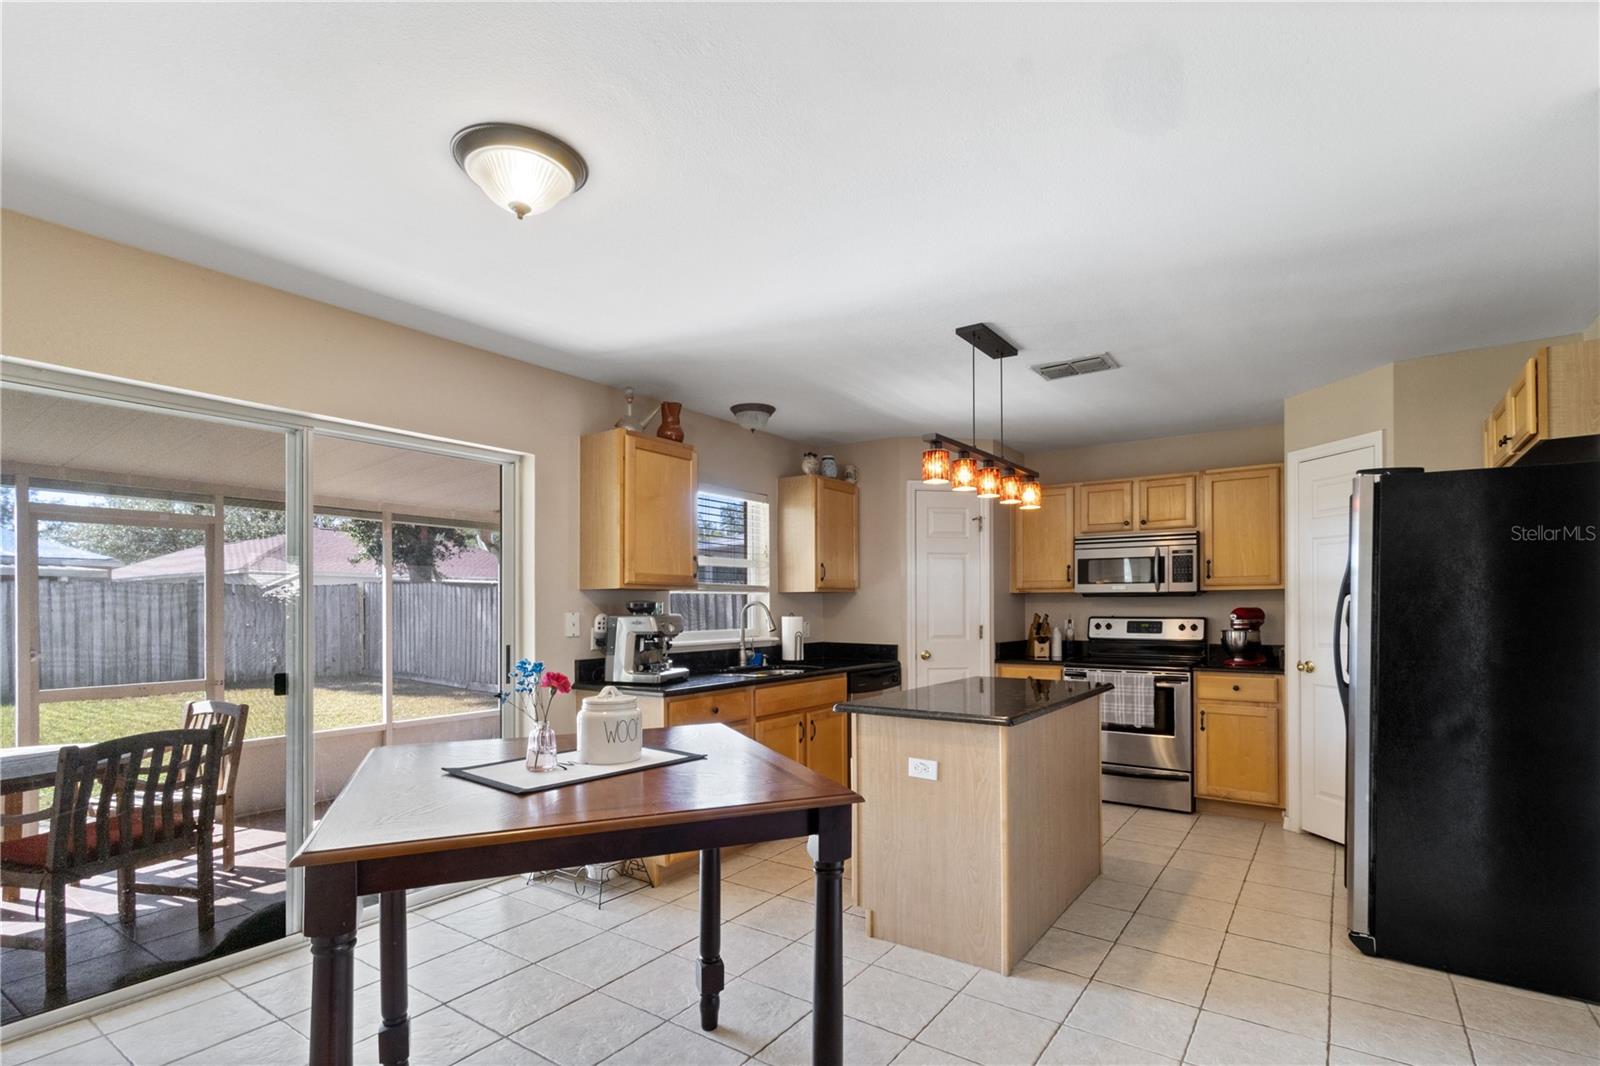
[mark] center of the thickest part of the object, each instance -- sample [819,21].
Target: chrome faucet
[744,623]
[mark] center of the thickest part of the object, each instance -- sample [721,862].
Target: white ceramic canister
[610,728]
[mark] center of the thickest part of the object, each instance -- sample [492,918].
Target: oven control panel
[1187,629]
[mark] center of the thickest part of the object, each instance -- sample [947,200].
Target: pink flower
[558,681]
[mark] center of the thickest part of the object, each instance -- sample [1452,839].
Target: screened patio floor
[101,952]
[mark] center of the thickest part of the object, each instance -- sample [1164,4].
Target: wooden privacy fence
[121,633]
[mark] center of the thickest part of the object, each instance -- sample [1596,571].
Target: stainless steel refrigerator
[1467,636]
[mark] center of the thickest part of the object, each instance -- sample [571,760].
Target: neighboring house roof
[54,553]
[334,554]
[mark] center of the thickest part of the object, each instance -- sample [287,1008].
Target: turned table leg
[394,1037]
[330,924]
[830,848]
[709,974]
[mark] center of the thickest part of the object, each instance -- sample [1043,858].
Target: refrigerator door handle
[1341,642]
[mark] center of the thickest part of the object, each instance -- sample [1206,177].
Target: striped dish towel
[1131,701]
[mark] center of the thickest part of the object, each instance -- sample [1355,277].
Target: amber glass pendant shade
[988,482]
[1010,490]
[964,474]
[1032,494]
[936,466]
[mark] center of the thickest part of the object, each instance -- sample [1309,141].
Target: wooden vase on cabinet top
[817,528]
[671,427]
[636,512]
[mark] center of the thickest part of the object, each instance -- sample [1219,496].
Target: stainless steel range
[1146,721]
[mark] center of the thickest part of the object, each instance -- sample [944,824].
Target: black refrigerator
[1467,636]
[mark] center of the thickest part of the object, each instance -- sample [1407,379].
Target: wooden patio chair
[203,714]
[119,805]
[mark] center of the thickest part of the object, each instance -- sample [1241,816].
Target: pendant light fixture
[990,474]
[964,474]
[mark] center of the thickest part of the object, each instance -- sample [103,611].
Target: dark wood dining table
[402,823]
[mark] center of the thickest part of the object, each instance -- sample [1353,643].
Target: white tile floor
[1207,940]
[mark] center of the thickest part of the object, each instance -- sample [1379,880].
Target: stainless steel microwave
[1137,564]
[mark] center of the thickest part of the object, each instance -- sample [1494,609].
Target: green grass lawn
[338,702]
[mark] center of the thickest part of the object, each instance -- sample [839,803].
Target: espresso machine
[1242,638]
[639,646]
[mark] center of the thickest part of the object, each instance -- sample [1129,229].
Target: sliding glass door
[157,552]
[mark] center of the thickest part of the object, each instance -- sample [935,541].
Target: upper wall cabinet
[1041,544]
[636,512]
[1133,505]
[1105,506]
[1241,528]
[1556,395]
[816,534]
[1165,502]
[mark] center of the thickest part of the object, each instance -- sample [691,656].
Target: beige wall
[1162,455]
[1343,408]
[76,301]
[1440,402]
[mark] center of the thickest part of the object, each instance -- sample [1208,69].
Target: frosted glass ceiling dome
[523,170]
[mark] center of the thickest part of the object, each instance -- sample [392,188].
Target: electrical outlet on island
[925,769]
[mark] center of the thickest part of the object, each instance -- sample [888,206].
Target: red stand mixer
[1242,639]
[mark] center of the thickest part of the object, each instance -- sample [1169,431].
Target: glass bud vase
[542,748]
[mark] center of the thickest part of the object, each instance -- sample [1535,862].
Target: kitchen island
[982,814]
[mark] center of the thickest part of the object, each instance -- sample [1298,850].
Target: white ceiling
[798,204]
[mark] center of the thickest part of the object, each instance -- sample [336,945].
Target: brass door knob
[926,655]
[1306,667]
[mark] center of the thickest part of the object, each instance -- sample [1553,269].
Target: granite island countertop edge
[1067,700]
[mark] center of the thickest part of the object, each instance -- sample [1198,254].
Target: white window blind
[734,557]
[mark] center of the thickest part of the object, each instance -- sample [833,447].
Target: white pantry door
[948,587]
[1321,519]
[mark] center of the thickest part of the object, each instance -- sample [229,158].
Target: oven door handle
[1156,775]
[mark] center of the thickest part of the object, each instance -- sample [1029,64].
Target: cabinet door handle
[1141,522]
[1208,568]
[1202,719]
[813,729]
[1124,521]
[1501,443]
[802,724]
[716,710]
[824,571]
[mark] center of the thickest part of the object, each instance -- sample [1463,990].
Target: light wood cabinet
[828,744]
[797,719]
[1041,672]
[817,534]
[1165,502]
[1105,506]
[636,512]
[1555,395]
[1136,505]
[1041,544]
[1241,527]
[784,734]
[730,707]
[1238,752]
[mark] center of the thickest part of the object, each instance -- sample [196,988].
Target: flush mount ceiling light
[523,170]
[752,416]
[991,475]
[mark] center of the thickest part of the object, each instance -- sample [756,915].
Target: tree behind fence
[120,633]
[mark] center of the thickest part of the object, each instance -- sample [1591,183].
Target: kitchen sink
[768,671]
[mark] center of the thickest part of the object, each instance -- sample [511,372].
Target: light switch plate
[925,769]
[573,626]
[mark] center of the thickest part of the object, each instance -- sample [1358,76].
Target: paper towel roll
[792,630]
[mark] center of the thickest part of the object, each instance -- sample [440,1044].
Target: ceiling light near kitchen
[523,170]
[936,466]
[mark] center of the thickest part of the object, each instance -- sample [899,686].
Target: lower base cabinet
[784,734]
[1238,747]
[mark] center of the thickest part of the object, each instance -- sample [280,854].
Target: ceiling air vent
[1072,368]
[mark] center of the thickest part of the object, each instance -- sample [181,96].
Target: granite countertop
[715,681]
[1001,701]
